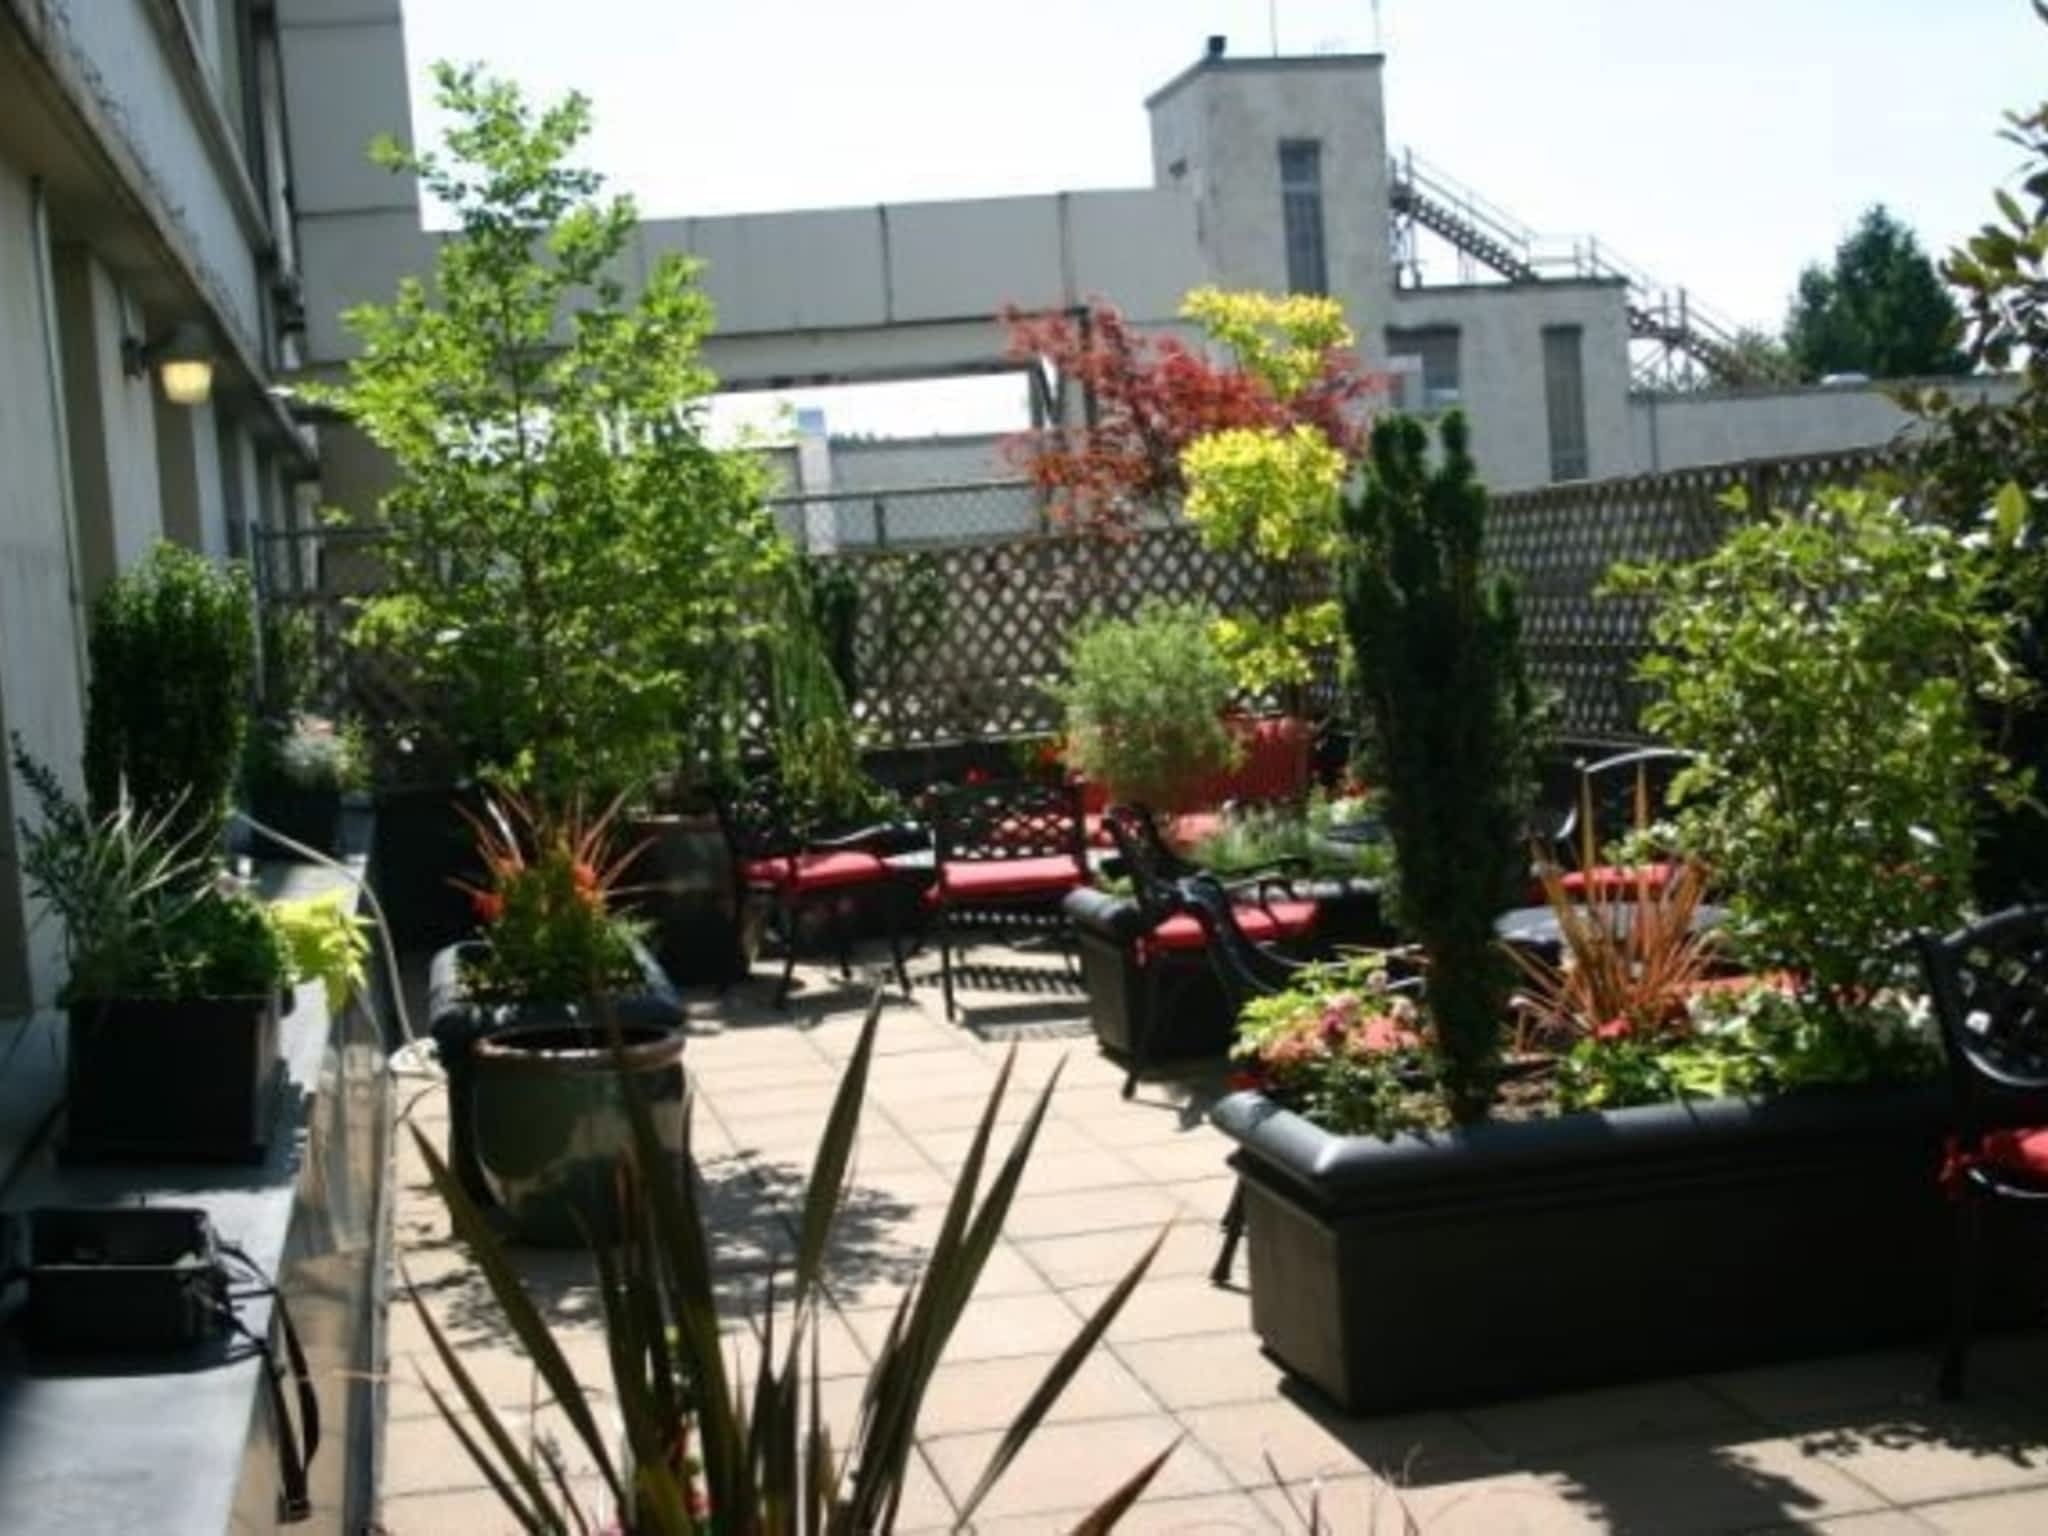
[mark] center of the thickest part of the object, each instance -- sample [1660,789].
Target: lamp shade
[186,380]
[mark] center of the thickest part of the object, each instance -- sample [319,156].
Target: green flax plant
[708,1447]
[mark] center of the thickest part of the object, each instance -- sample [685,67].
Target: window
[1436,346]
[1564,394]
[1301,215]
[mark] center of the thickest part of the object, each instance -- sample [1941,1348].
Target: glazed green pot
[549,1115]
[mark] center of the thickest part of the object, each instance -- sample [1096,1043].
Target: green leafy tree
[573,567]
[1832,831]
[1445,699]
[173,653]
[1880,310]
[1984,472]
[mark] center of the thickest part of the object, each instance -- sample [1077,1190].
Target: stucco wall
[40,693]
[1672,431]
[1500,370]
[119,51]
[111,420]
[1216,133]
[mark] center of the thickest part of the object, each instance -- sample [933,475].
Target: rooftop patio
[1852,1444]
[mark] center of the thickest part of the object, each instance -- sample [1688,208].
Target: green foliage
[810,726]
[1881,310]
[290,649]
[325,942]
[1342,1049]
[575,571]
[1751,1042]
[834,594]
[1984,471]
[1825,666]
[173,653]
[708,1452]
[309,752]
[1248,837]
[1436,647]
[143,916]
[550,932]
[1144,703]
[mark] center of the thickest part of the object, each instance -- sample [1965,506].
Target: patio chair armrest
[857,838]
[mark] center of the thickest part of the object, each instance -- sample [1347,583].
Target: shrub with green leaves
[574,571]
[1144,703]
[167,712]
[1441,690]
[1826,666]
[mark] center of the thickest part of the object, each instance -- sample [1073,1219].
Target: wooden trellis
[959,641]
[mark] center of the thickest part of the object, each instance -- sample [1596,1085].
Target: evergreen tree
[1881,310]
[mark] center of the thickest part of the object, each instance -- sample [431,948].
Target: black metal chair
[1014,844]
[1989,985]
[1172,941]
[775,860]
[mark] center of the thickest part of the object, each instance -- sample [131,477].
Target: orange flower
[585,878]
[489,905]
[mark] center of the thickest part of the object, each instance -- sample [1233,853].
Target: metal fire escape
[1678,344]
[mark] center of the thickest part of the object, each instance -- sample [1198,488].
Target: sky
[1719,146]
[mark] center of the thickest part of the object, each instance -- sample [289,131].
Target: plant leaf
[1105,1515]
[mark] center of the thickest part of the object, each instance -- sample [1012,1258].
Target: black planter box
[1510,1260]
[309,816]
[1349,913]
[152,1081]
[1192,1018]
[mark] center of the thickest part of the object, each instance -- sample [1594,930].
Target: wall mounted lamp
[182,357]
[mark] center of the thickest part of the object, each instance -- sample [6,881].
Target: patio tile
[1195,1155]
[1280,1439]
[990,1328]
[1202,1371]
[1142,1208]
[1050,1173]
[1996,1514]
[1206,1198]
[1795,1393]
[423,1455]
[476,1511]
[1169,1308]
[1513,1504]
[970,1396]
[960,1113]
[1102,1258]
[1941,1452]
[1708,1483]
[1086,1461]
[1538,1427]
[1152,1122]
[1878,1522]
[1209,1514]
[948,1148]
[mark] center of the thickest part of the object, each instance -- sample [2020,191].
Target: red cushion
[2022,1152]
[1052,875]
[1262,923]
[1613,881]
[816,871]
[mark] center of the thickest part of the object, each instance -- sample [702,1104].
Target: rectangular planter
[1517,1259]
[154,1081]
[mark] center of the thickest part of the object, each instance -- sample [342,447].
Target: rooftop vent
[1217,43]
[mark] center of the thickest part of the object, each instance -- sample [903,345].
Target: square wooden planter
[193,1081]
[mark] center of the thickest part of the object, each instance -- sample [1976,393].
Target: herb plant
[1144,704]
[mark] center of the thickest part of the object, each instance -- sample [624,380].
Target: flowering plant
[1343,1048]
[550,878]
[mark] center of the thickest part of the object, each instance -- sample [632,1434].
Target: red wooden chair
[1005,846]
[774,861]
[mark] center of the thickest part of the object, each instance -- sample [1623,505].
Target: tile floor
[1844,1445]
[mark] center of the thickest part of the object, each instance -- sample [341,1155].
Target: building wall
[1500,370]
[1672,431]
[41,697]
[1216,134]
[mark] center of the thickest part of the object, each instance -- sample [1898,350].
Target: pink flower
[1614,1029]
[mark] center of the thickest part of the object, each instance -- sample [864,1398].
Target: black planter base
[1514,1260]
[149,1081]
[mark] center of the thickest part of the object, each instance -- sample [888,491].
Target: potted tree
[1689,1176]
[572,572]
[530,1016]
[300,770]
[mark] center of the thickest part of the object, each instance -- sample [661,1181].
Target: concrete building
[1271,173]
[145,195]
